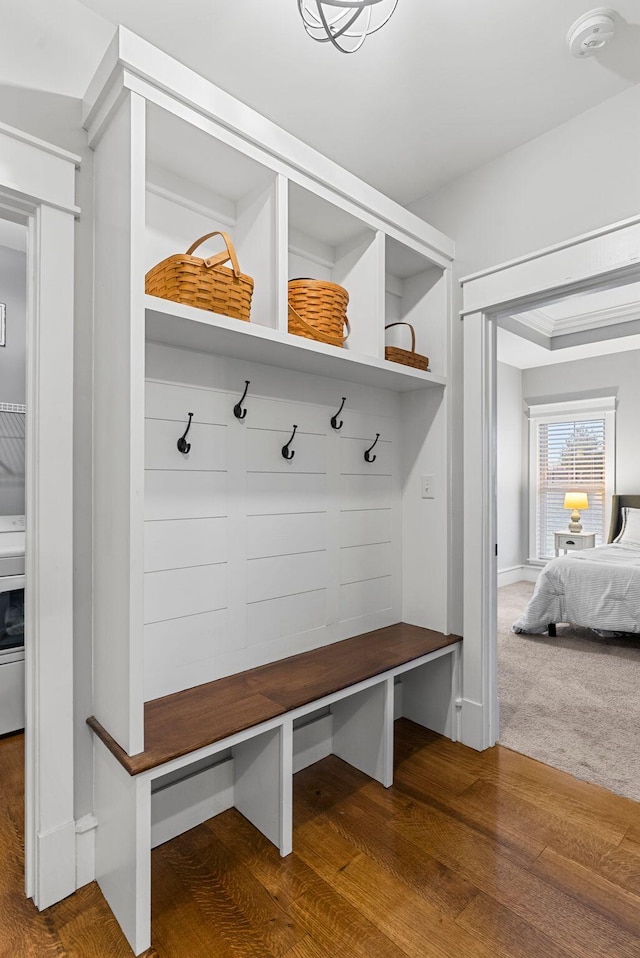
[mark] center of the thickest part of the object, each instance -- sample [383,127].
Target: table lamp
[575,501]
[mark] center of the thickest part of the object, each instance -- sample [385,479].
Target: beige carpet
[572,702]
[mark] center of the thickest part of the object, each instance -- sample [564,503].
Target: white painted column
[51,838]
[479,727]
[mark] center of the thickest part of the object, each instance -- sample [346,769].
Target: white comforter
[598,588]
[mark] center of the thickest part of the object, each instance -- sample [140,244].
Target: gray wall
[511,484]
[578,177]
[13,292]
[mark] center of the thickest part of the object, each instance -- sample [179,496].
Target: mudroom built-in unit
[309,505]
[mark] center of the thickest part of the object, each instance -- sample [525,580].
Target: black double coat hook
[183,445]
[238,411]
[286,452]
[334,419]
[367,453]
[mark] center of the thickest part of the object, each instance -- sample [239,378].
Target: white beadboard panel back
[272,493]
[365,527]
[184,494]
[264,451]
[352,455]
[359,599]
[285,575]
[208,452]
[250,557]
[366,491]
[359,563]
[286,535]
[182,592]
[178,543]
[299,614]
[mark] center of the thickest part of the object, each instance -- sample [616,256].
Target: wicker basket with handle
[204,283]
[318,310]
[407,357]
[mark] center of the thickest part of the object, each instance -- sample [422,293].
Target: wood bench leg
[123,847]
[363,731]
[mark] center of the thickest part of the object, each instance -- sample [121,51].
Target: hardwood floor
[487,855]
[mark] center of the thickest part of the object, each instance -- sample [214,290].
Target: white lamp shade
[576,500]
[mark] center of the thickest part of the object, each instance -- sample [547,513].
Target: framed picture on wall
[3,324]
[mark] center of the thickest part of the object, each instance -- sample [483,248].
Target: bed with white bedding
[598,588]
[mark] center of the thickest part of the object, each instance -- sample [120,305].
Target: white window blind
[571,458]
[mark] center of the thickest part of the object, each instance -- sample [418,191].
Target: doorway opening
[564,413]
[13,636]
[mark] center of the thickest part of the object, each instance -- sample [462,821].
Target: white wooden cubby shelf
[186,327]
[230,557]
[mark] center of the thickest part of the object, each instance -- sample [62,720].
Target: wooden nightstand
[573,540]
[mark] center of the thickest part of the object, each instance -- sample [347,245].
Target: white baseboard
[472,726]
[85,850]
[518,573]
[56,857]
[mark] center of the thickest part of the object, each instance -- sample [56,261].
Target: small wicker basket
[408,358]
[204,283]
[318,310]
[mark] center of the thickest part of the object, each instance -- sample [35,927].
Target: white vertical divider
[363,731]
[282,252]
[428,696]
[256,238]
[119,419]
[286,787]
[359,267]
[258,789]
[123,846]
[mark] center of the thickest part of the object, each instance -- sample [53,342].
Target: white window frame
[575,410]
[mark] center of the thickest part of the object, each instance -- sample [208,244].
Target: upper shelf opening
[199,164]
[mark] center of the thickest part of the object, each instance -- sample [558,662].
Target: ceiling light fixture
[591,32]
[344,23]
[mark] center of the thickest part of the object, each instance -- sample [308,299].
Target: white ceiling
[446,86]
[517,351]
[613,311]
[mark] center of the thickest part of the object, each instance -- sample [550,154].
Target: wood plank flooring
[487,855]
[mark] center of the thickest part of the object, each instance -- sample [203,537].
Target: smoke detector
[591,32]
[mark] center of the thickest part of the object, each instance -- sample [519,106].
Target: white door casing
[37,187]
[604,258]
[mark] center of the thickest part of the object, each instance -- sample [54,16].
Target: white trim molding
[606,257]
[37,184]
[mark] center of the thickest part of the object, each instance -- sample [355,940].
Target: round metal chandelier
[344,23]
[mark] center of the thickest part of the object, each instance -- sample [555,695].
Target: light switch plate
[428,487]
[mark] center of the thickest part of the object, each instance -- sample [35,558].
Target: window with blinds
[571,458]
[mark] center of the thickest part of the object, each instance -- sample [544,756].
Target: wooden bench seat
[234,741]
[184,722]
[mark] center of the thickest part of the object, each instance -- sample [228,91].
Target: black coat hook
[367,455]
[238,411]
[334,419]
[286,452]
[183,445]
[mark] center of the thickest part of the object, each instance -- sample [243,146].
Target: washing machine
[12,580]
